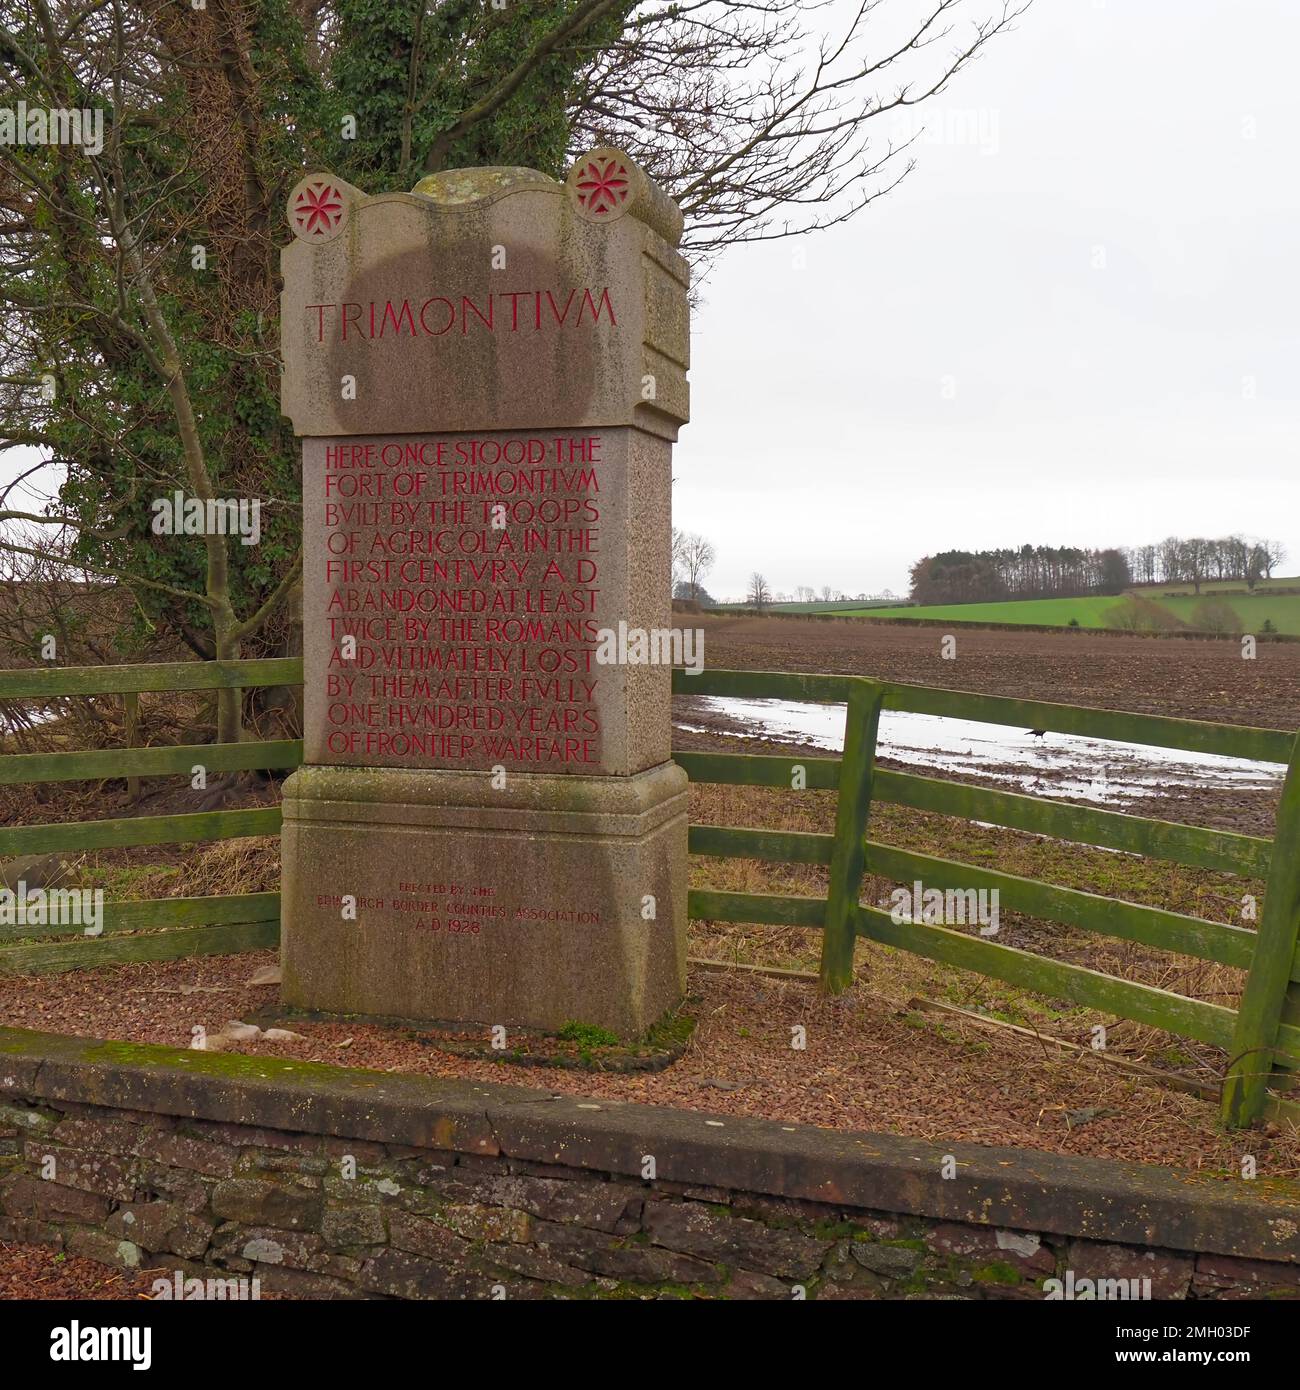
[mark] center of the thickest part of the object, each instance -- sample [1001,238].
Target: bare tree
[760,595]
[1171,559]
[1197,557]
[697,559]
[678,554]
[759,127]
[1274,554]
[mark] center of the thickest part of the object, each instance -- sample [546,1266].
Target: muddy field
[1194,679]
[1189,679]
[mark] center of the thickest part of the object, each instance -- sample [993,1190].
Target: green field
[1055,612]
[1253,610]
[1232,585]
[840,607]
[1282,610]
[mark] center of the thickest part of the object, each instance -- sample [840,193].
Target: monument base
[433,894]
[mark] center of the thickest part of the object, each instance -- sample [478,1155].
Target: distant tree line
[805,593]
[1196,559]
[1046,571]
[1032,571]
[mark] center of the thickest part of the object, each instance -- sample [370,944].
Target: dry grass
[226,867]
[898,976]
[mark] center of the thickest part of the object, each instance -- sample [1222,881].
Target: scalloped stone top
[470,185]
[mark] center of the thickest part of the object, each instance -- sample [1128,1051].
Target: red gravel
[868,1065]
[36,1271]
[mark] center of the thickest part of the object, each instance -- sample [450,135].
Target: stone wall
[328,1183]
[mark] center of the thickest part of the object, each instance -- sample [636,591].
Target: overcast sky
[1084,406]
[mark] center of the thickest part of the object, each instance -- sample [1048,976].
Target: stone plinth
[545,881]
[488,375]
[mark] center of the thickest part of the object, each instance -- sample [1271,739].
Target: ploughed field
[1188,678]
[1192,678]
[1237,609]
[916,1047]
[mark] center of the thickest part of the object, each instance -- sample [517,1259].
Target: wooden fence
[1261,1037]
[167,928]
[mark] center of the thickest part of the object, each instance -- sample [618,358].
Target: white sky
[1088,407]
[1091,407]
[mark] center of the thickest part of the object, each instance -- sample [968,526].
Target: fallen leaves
[862,1069]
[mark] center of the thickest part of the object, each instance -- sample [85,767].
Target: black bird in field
[1037,733]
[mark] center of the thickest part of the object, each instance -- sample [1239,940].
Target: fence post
[131,727]
[1253,1041]
[849,856]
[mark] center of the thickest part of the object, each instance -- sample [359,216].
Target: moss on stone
[575,1045]
[453,186]
[587,1036]
[825,1229]
[672,1031]
[997,1272]
[215,1063]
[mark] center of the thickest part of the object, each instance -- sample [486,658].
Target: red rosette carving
[602,186]
[317,209]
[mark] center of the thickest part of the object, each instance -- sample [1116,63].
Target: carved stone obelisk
[488,374]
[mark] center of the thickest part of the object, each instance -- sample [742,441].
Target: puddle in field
[22,715]
[1098,770]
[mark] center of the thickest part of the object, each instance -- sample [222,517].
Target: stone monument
[488,374]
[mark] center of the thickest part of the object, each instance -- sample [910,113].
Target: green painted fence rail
[129,831]
[153,913]
[178,943]
[1209,1023]
[1260,1033]
[40,683]
[107,763]
[760,770]
[1190,735]
[1262,1037]
[1165,840]
[162,928]
[1171,931]
[1153,839]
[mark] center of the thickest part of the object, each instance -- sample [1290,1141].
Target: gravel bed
[869,1063]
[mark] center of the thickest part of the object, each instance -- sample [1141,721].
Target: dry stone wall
[324,1183]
